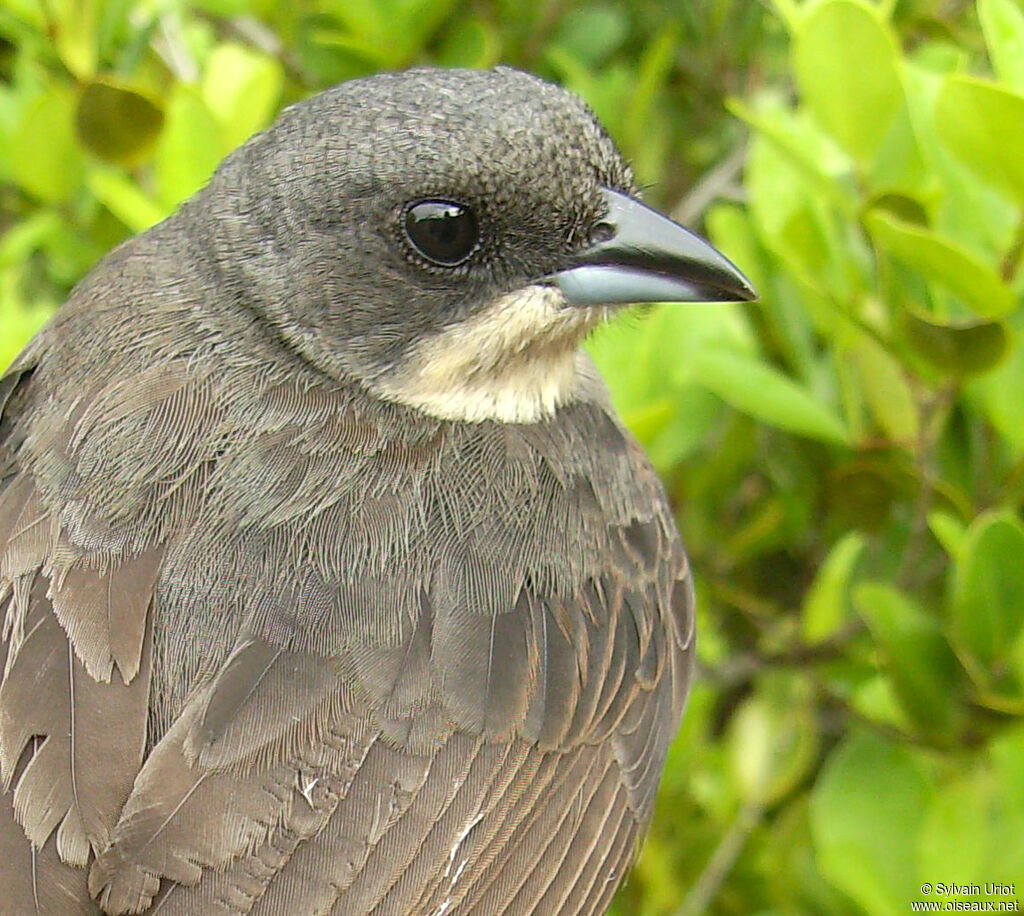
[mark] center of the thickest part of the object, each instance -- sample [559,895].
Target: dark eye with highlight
[444,232]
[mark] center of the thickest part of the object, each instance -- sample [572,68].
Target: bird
[332,582]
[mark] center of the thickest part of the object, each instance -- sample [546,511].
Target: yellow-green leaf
[885,389]
[190,146]
[471,43]
[241,87]
[943,262]
[772,741]
[948,530]
[917,658]
[846,62]
[988,595]
[983,124]
[764,393]
[1003,24]
[44,158]
[125,199]
[74,24]
[867,807]
[826,602]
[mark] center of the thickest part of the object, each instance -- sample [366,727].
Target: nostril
[602,232]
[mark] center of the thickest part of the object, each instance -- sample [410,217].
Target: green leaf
[846,63]
[826,603]
[773,741]
[965,208]
[866,813]
[943,262]
[19,326]
[388,33]
[729,228]
[75,25]
[1007,811]
[949,531]
[988,599]
[958,347]
[997,393]
[241,87]
[470,43]
[117,123]
[956,835]
[917,657]
[21,240]
[764,393]
[975,822]
[885,389]
[593,33]
[125,199]
[801,143]
[190,146]
[44,158]
[663,405]
[652,72]
[983,124]
[789,11]
[1003,24]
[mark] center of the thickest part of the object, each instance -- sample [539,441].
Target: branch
[719,182]
[722,860]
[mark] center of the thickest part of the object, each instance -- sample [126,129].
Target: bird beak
[649,258]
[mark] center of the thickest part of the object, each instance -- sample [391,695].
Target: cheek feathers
[515,362]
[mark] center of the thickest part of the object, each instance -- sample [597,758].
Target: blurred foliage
[846,458]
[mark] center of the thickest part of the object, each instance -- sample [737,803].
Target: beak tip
[746,291]
[650,258]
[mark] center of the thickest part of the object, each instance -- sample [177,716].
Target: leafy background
[846,457]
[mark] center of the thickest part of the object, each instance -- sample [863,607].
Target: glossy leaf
[473,43]
[944,262]
[960,348]
[672,415]
[845,59]
[19,242]
[917,657]
[886,389]
[983,124]
[125,199]
[764,393]
[730,229]
[988,596]
[190,147]
[592,33]
[997,395]
[772,750]
[949,531]
[973,825]
[117,123]
[241,87]
[1003,24]
[44,157]
[826,604]
[75,23]
[866,812]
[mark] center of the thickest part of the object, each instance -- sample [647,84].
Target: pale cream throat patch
[516,362]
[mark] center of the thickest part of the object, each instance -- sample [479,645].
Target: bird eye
[444,232]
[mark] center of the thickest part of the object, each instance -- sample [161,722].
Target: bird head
[447,238]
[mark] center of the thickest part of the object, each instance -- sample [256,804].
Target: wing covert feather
[423,703]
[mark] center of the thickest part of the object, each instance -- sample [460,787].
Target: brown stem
[1015,256]
[743,668]
[924,459]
